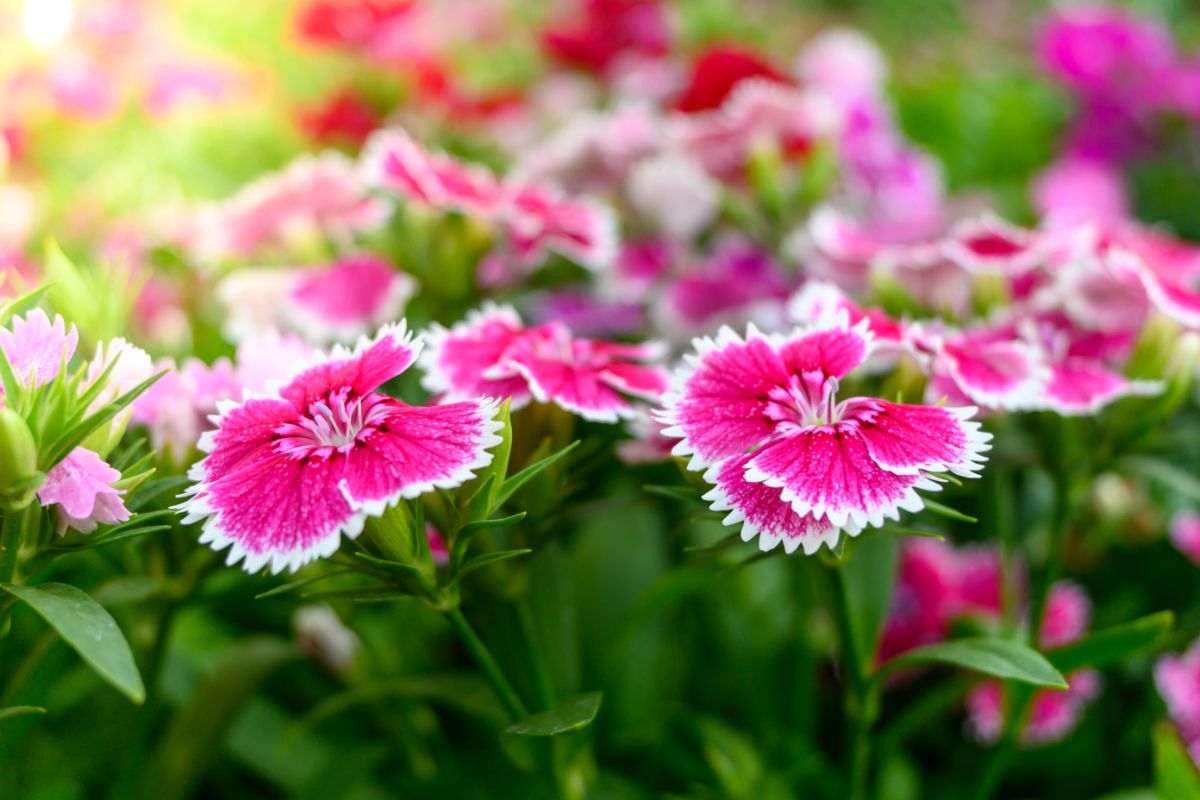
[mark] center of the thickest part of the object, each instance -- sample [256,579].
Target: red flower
[347,22]
[606,30]
[715,74]
[343,118]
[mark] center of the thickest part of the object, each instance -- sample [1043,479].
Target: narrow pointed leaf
[89,629]
[17,711]
[293,585]
[1000,658]
[1114,644]
[1175,775]
[501,522]
[487,559]
[573,715]
[510,486]
[947,511]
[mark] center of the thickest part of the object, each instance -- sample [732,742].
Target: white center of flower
[809,400]
[334,423]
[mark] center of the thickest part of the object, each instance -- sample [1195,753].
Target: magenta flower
[492,352]
[348,298]
[1178,680]
[176,408]
[787,459]
[1185,534]
[38,348]
[287,474]
[1053,713]
[81,486]
[924,600]
[535,219]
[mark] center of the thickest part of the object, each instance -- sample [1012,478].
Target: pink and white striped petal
[828,472]
[468,360]
[371,364]
[417,449]
[909,439]
[540,220]
[719,403]
[392,160]
[1083,386]
[1008,375]
[762,512]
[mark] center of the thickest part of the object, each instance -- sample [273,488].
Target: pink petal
[373,363]
[721,408]
[394,161]
[417,449]
[908,438]
[1067,615]
[832,352]
[648,383]
[540,220]
[1055,713]
[76,483]
[828,472]
[1080,386]
[1185,534]
[344,300]
[998,374]
[466,361]
[762,512]
[37,348]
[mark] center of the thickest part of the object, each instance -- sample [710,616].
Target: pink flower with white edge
[37,348]
[130,366]
[348,298]
[540,220]
[392,160]
[790,462]
[314,195]
[81,487]
[1178,680]
[287,475]
[990,367]
[1185,534]
[492,352]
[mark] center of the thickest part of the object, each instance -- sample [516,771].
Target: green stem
[12,531]
[487,663]
[862,693]
[537,666]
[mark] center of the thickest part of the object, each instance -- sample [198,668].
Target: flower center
[809,399]
[335,423]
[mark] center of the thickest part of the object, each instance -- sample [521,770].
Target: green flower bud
[19,476]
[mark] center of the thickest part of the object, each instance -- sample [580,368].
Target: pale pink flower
[177,406]
[1185,534]
[491,352]
[131,365]
[81,487]
[1075,190]
[270,359]
[787,459]
[38,348]
[287,475]
[842,63]
[312,196]
[674,194]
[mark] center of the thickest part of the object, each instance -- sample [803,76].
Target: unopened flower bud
[18,460]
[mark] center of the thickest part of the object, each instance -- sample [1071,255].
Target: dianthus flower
[288,473]
[81,487]
[491,352]
[37,348]
[791,462]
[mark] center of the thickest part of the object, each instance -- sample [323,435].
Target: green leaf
[486,559]
[869,575]
[1114,644]
[19,305]
[947,511]
[1000,658]
[501,522]
[510,486]
[69,439]
[1165,473]
[17,711]
[1175,775]
[572,715]
[293,585]
[89,629]
[196,732]
[682,494]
